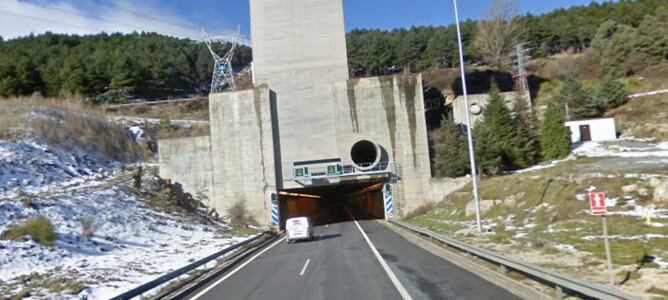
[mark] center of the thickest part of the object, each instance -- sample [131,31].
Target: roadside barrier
[176,273]
[561,282]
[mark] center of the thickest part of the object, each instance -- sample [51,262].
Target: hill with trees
[108,68]
[105,68]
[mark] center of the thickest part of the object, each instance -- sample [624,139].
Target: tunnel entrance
[329,204]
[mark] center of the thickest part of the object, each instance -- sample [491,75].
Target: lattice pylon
[223,75]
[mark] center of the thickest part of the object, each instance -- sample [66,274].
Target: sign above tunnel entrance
[331,168]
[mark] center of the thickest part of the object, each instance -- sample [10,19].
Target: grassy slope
[547,215]
[645,117]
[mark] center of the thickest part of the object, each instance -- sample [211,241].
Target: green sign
[274,199]
[299,172]
[331,170]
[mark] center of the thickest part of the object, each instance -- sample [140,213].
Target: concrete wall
[187,161]
[441,187]
[601,129]
[459,110]
[390,112]
[242,150]
[299,50]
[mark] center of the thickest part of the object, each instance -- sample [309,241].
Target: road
[341,264]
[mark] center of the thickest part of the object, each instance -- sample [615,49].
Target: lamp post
[476,192]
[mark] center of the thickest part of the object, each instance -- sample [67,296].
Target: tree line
[108,68]
[381,52]
[105,68]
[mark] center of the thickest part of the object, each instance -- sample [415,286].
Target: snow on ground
[544,166]
[32,167]
[132,244]
[629,148]
[622,149]
[648,236]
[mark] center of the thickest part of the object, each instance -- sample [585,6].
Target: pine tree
[579,101]
[409,49]
[653,36]
[610,93]
[440,49]
[497,143]
[451,152]
[525,126]
[623,56]
[555,137]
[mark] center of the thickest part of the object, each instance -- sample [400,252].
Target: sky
[185,18]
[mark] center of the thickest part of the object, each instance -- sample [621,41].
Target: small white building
[597,130]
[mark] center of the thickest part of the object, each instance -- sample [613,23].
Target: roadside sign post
[598,208]
[607,249]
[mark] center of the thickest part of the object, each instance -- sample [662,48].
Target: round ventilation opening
[365,154]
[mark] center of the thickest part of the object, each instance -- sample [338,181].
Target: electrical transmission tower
[223,74]
[520,77]
[520,60]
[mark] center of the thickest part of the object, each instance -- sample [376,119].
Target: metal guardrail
[176,273]
[115,106]
[560,281]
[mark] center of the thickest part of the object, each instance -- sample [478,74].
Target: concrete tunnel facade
[306,128]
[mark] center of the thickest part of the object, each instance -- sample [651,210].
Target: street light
[474,174]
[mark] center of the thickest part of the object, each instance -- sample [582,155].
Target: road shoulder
[497,278]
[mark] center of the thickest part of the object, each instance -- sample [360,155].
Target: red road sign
[597,201]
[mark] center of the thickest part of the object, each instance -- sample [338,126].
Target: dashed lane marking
[206,290]
[304,268]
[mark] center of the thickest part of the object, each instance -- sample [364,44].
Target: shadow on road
[326,237]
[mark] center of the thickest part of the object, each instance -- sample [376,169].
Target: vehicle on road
[300,228]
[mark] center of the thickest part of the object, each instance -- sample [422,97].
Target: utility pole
[476,192]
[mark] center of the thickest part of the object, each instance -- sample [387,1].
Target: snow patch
[597,149]
[544,166]
[132,244]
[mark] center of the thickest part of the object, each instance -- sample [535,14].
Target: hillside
[108,68]
[540,214]
[108,235]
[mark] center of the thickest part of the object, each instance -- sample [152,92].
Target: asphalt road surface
[341,264]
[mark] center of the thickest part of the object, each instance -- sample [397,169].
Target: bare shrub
[420,210]
[498,33]
[67,122]
[88,132]
[88,226]
[238,213]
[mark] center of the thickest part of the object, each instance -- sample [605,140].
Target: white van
[300,228]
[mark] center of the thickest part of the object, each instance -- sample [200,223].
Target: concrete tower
[307,129]
[299,52]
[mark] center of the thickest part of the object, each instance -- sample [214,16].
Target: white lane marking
[304,268]
[327,225]
[397,284]
[200,294]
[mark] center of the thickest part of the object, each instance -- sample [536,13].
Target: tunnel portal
[329,204]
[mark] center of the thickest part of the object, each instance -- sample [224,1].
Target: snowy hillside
[132,242]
